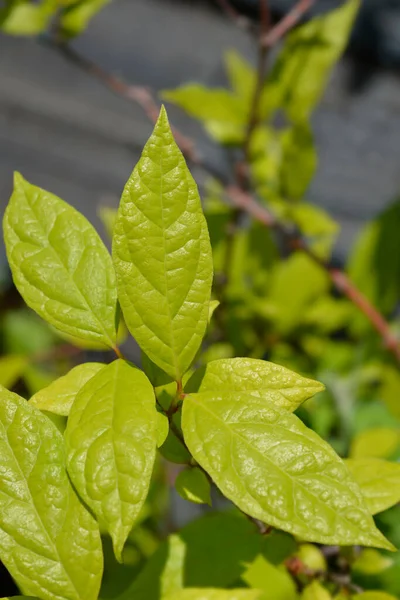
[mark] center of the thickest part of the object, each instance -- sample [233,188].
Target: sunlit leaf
[379,481]
[266,461]
[48,542]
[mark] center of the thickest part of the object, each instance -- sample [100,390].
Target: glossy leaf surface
[275,469]
[59,264]
[111,441]
[162,255]
[258,378]
[379,481]
[48,541]
[59,396]
[193,485]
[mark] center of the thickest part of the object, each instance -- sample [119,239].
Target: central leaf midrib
[294,480]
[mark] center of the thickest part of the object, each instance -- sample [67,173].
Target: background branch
[238,194]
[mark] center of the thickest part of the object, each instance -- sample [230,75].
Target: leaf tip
[163,117]
[18,179]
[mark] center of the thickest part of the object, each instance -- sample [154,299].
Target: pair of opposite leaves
[236,425]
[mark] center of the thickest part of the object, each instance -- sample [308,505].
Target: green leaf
[304,66]
[59,264]
[162,428]
[208,105]
[371,595]
[374,264]
[390,389]
[212,308]
[242,75]
[111,441]
[258,378]
[162,255]
[315,591]
[162,575]
[266,461]
[379,481]
[108,216]
[312,557]
[12,367]
[192,485]
[215,594]
[289,295]
[317,226]
[381,442]
[48,542]
[25,333]
[76,18]
[371,562]
[20,598]
[59,396]
[25,18]
[275,582]
[299,160]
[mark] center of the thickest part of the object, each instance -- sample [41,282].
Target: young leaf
[372,595]
[258,378]
[111,440]
[299,160]
[315,591]
[59,396]
[275,582]
[379,481]
[242,75]
[162,575]
[48,541]
[380,442]
[310,51]
[266,461]
[215,105]
[60,265]
[75,18]
[162,428]
[193,485]
[371,562]
[12,368]
[162,255]
[215,594]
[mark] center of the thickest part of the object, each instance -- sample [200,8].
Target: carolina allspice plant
[233,418]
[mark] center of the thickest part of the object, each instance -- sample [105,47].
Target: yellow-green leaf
[371,562]
[372,595]
[304,66]
[48,541]
[379,481]
[258,378]
[192,485]
[205,104]
[59,396]
[162,428]
[381,442]
[12,367]
[315,591]
[275,582]
[76,17]
[111,442]
[242,75]
[215,594]
[162,255]
[266,461]
[60,265]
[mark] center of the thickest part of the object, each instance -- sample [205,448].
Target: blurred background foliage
[273,301]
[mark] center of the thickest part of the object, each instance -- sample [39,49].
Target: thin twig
[287,23]
[232,13]
[240,198]
[135,93]
[341,281]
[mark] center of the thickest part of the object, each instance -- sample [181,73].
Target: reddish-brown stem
[118,352]
[239,197]
[288,22]
[135,93]
[233,14]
